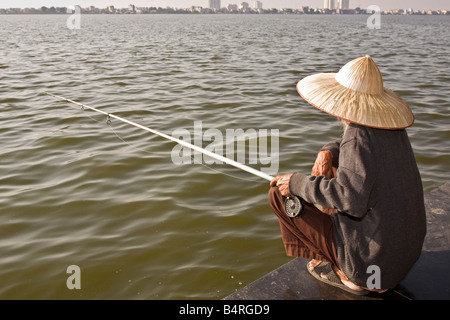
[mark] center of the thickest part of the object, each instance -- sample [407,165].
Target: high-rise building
[258,5]
[214,4]
[343,4]
[329,4]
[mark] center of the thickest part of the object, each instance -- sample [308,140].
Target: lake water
[75,191]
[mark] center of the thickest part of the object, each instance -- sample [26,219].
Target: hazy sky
[383,4]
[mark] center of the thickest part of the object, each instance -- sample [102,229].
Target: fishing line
[293,205]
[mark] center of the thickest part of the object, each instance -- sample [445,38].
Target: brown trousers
[309,236]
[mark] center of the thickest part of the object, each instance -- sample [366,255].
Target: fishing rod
[293,204]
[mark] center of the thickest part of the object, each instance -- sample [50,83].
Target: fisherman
[363,204]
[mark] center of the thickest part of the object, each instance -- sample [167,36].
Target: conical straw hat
[357,94]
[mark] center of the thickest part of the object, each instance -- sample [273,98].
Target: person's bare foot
[314,263]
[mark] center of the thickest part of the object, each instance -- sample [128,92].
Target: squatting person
[363,202]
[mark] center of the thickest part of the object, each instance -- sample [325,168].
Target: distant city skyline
[383,4]
[214,4]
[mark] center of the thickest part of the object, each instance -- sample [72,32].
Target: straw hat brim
[384,111]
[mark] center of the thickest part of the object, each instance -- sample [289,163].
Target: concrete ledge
[427,280]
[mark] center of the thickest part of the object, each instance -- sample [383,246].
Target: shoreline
[200,10]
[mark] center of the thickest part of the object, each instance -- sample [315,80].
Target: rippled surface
[139,227]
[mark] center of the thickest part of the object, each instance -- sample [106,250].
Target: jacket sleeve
[351,191]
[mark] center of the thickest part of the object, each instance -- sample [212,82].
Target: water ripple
[109,199]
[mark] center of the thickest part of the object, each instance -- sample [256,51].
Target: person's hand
[282,182]
[324,165]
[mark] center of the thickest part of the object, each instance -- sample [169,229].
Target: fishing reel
[294,206]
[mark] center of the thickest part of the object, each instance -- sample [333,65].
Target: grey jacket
[378,191]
